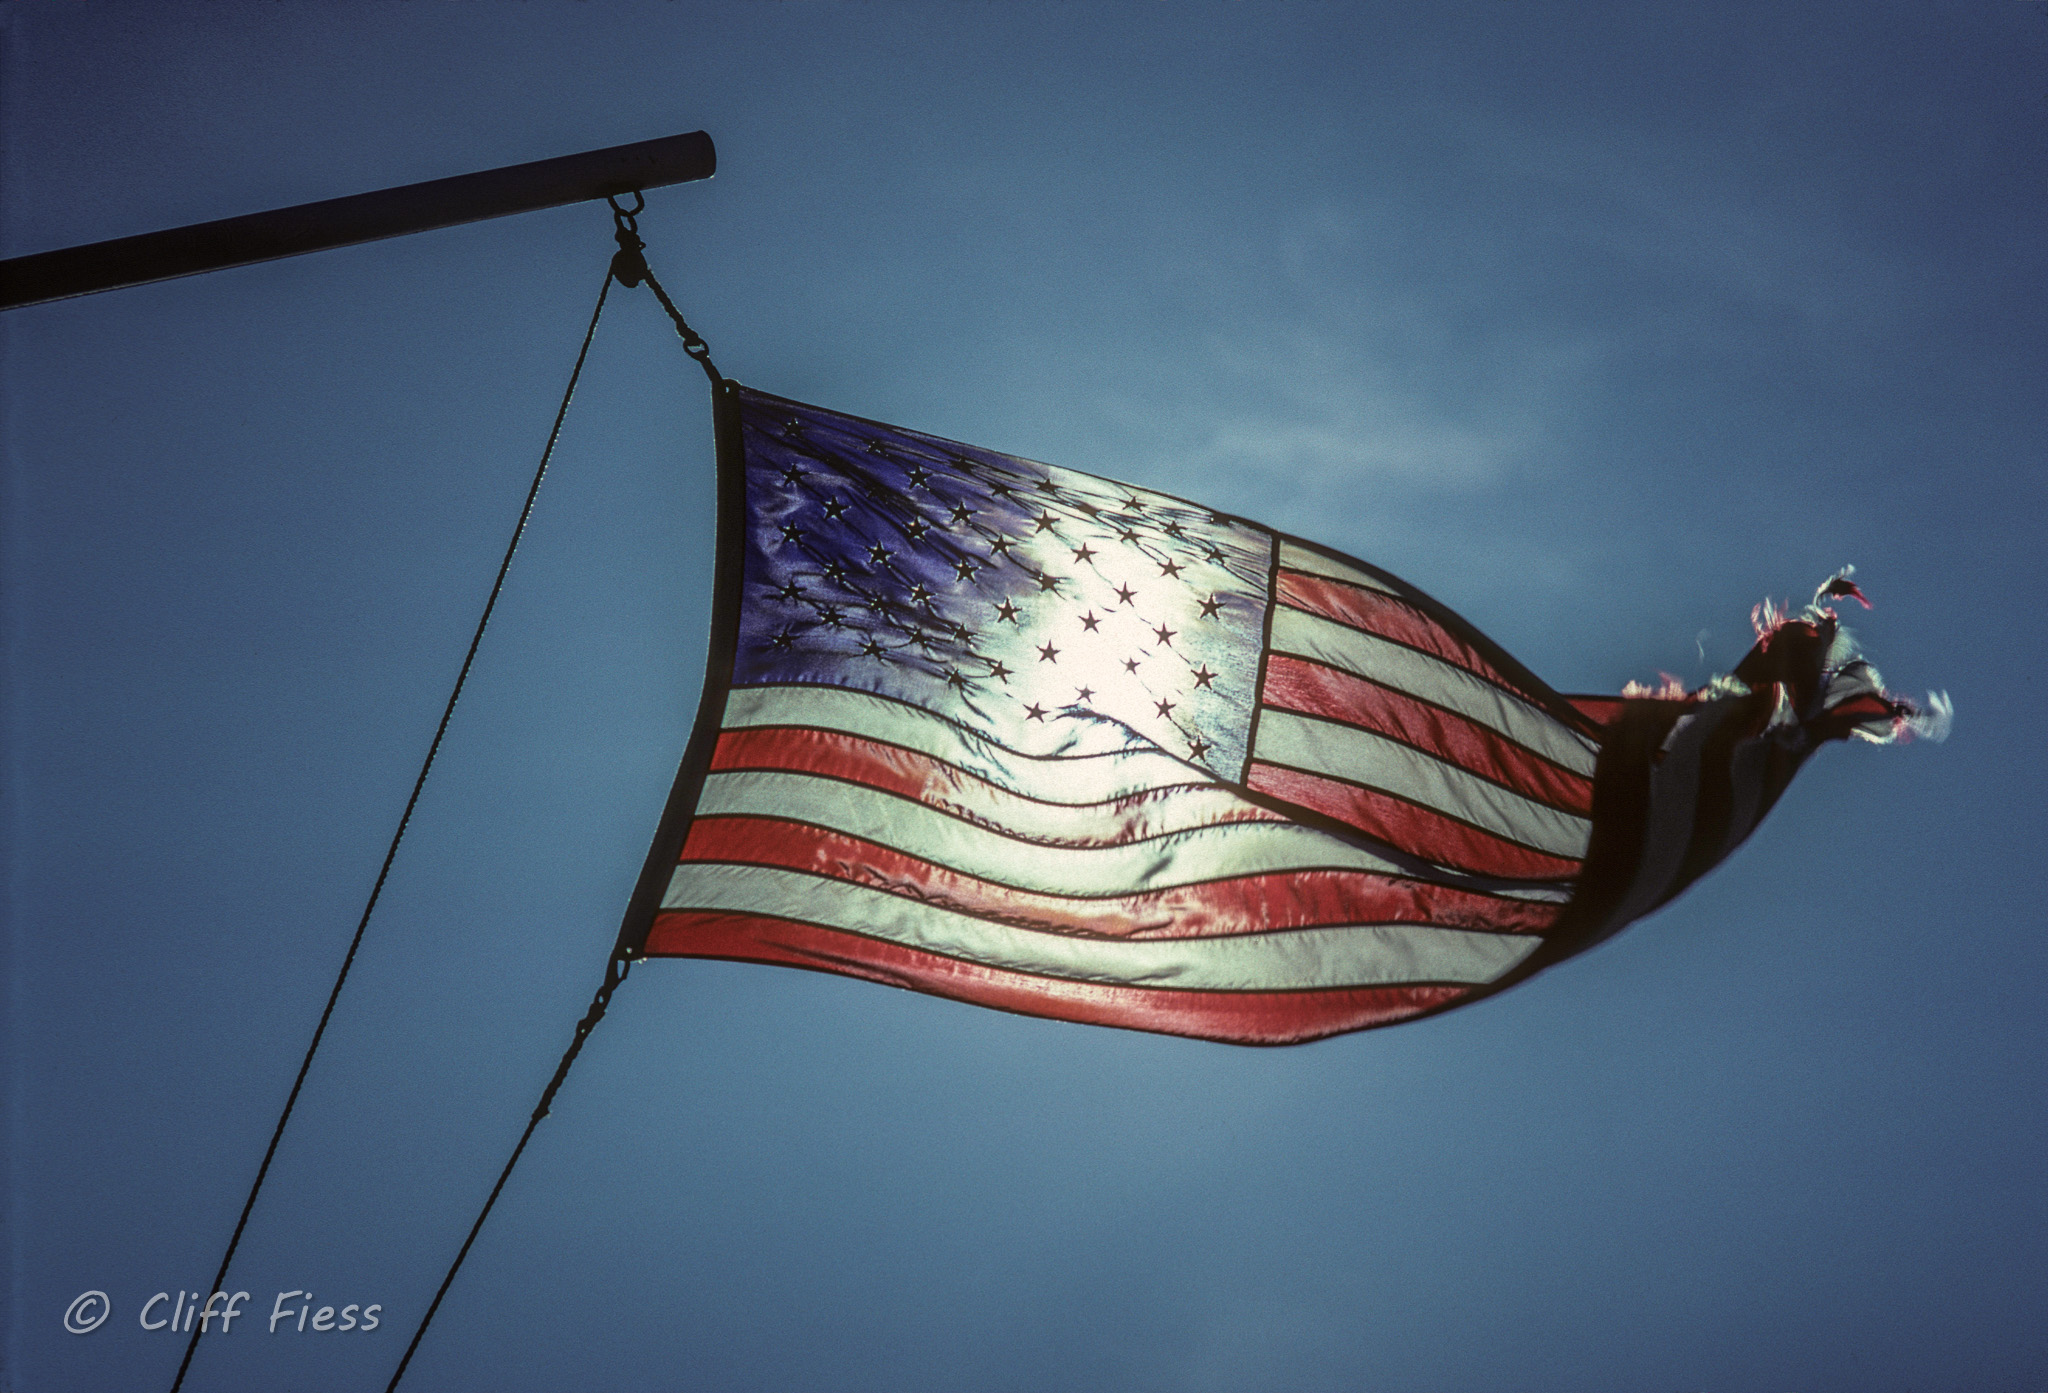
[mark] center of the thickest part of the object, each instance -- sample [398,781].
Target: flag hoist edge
[1028,738]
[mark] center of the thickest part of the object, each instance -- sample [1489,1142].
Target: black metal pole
[342,222]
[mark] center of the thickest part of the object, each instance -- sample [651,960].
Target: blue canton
[1050,610]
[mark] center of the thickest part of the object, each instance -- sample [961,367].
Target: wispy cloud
[1349,385]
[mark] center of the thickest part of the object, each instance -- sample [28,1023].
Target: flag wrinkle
[1132,768]
[913,774]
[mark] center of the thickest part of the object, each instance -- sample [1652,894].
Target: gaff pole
[363,217]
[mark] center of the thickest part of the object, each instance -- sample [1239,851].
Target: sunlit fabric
[1025,737]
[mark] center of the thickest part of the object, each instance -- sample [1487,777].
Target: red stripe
[1241,1018]
[1296,684]
[1600,710]
[932,781]
[1242,904]
[1386,616]
[1863,707]
[1409,826]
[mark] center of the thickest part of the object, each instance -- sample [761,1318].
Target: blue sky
[1599,322]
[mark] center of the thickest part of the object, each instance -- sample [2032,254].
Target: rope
[615,973]
[384,872]
[629,267]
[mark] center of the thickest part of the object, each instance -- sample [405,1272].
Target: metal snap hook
[628,265]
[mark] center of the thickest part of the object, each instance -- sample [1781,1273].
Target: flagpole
[365,217]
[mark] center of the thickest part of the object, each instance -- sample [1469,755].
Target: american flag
[1026,737]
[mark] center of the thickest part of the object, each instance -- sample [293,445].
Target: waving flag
[1025,737]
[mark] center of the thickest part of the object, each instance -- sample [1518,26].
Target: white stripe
[1366,955]
[1184,858]
[1130,819]
[1674,806]
[1546,895]
[1304,635]
[1346,752]
[1073,776]
[1299,558]
[1747,764]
